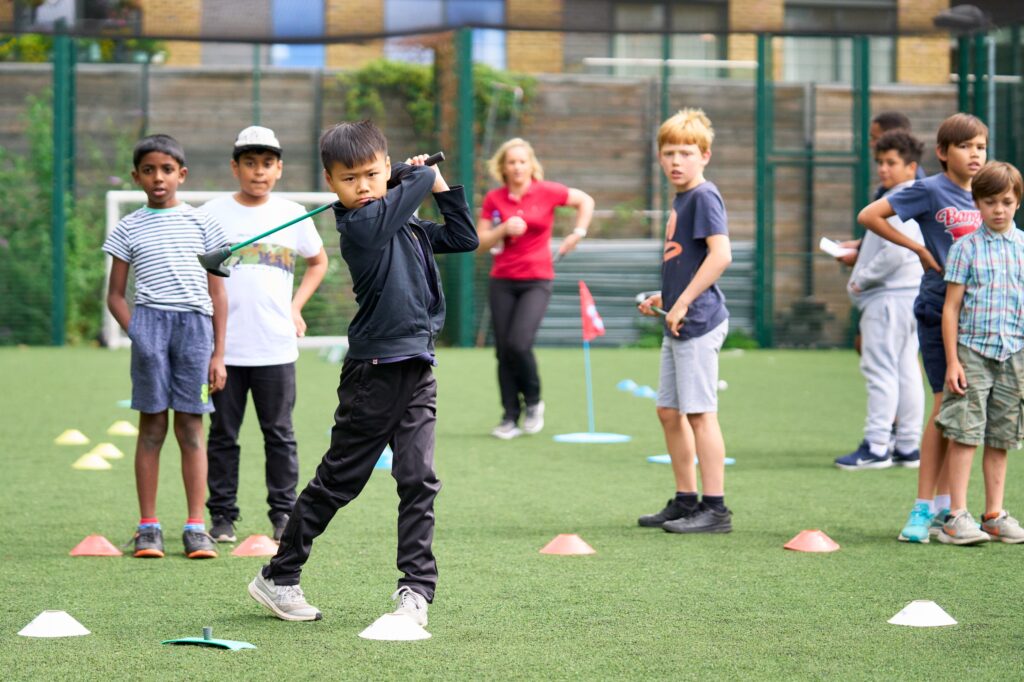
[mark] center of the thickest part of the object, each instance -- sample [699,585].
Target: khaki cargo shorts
[992,409]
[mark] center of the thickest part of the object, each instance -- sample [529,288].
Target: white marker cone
[922,613]
[53,624]
[394,627]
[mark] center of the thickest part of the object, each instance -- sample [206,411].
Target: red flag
[593,325]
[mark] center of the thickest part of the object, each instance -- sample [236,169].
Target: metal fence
[790,154]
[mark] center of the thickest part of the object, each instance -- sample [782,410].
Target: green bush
[26,272]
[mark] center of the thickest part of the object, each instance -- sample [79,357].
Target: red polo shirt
[527,256]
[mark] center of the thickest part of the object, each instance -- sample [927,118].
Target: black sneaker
[279,521]
[704,520]
[223,529]
[149,543]
[199,545]
[672,511]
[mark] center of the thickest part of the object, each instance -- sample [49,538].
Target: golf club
[644,295]
[213,261]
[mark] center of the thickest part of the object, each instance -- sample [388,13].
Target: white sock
[879,450]
[930,503]
[941,502]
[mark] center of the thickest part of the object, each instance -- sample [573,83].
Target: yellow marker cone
[107,451]
[122,428]
[71,437]
[91,462]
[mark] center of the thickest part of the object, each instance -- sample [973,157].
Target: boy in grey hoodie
[883,286]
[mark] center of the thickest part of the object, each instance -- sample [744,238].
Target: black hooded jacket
[398,291]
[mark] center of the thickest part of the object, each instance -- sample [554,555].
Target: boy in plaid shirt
[983,335]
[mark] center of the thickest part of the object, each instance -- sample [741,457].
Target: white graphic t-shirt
[260,328]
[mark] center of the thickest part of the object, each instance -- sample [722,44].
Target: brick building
[905,47]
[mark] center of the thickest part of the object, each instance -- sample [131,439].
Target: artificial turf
[647,605]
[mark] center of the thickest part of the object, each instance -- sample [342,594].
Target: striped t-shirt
[161,245]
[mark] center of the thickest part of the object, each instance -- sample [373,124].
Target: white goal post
[122,202]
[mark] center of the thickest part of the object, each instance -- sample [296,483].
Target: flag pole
[590,387]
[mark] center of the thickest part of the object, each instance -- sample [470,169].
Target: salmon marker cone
[107,451]
[811,541]
[122,428]
[91,462]
[922,614]
[567,544]
[256,545]
[71,437]
[53,624]
[95,545]
[394,627]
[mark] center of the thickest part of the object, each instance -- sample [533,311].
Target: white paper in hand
[833,249]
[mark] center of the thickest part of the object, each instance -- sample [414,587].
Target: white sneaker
[412,604]
[962,530]
[533,422]
[506,430]
[286,601]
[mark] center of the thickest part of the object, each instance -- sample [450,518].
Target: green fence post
[463,270]
[963,72]
[257,56]
[980,94]
[59,187]
[862,123]
[764,299]
[666,72]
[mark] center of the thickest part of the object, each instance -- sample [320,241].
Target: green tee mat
[208,640]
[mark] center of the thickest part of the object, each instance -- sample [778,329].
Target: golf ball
[722,384]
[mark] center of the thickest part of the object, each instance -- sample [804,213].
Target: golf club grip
[434,159]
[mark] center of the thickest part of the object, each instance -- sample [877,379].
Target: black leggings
[517,309]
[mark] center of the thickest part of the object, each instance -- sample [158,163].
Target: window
[830,59]
[411,15]
[298,18]
[709,17]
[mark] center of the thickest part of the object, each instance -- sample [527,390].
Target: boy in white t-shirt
[264,319]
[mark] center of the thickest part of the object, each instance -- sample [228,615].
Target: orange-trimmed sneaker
[199,545]
[1003,528]
[149,543]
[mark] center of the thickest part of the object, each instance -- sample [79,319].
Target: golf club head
[213,261]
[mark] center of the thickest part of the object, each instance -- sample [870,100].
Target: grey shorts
[992,409]
[171,352]
[689,372]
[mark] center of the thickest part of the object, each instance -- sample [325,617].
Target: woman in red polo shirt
[515,225]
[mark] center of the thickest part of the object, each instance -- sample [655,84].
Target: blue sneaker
[861,458]
[908,460]
[918,524]
[937,522]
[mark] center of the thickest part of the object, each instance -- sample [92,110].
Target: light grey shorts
[689,372]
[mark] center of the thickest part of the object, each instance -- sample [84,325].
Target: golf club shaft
[431,160]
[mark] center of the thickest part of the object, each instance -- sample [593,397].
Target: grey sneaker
[705,520]
[937,521]
[673,510]
[1004,528]
[533,422]
[149,543]
[223,529]
[279,521]
[412,604]
[286,601]
[506,430]
[962,530]
[199,544]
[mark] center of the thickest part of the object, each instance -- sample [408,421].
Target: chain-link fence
[789,155]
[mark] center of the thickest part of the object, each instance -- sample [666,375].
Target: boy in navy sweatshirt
[387,394]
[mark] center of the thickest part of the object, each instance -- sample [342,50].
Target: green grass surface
[648,605]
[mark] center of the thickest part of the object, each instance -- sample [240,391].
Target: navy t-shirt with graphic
[945,211]
[697,214]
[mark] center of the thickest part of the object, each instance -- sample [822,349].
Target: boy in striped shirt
[983,335]
[177,331]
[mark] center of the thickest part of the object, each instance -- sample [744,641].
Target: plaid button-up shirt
[991,268]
